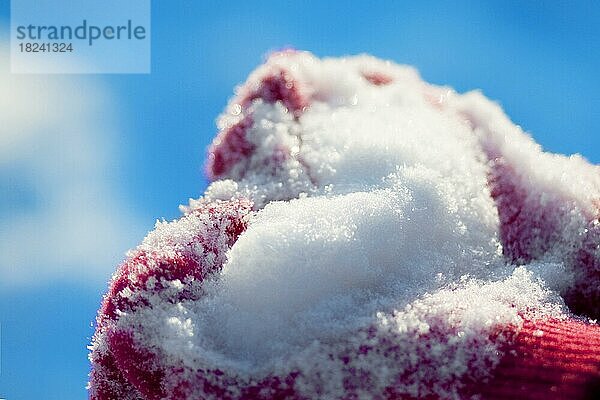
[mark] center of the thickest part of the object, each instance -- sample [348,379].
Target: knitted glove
[366,235]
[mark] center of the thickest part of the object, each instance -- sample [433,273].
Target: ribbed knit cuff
[554,359]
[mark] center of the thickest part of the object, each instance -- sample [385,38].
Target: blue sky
[144,136]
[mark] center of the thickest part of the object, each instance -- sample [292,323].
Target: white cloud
[61,215]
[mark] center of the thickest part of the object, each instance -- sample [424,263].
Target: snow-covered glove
[366,235]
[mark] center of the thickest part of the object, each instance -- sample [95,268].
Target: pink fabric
[549,360]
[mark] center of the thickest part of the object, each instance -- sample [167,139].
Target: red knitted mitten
[366,235]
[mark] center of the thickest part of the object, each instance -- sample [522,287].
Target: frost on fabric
[434,345]
[168,266]
[366,235]
[548,204]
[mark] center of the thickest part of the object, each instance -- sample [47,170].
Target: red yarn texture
[549,360]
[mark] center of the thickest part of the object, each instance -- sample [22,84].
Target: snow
[445,337]
[376,246]
[343,255]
